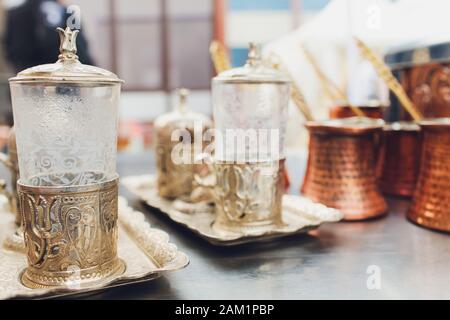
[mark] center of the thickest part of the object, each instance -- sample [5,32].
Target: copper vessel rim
[343,104]
[343,130]
[402,126]
[354,125]
[436,123]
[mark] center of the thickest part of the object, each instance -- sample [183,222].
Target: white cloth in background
[381,24]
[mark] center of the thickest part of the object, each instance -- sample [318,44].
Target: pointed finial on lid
[183,94]
[254,54]
[68,46]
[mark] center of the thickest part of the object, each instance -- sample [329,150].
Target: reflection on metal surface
[342,166]
[431,200]
[14,241]
[174,129]
[146,252]
[298,215]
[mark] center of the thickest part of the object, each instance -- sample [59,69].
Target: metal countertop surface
[334,262]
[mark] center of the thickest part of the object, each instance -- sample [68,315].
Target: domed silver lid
[181,116]
[68,69]
[254,71]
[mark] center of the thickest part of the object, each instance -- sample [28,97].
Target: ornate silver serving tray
[146,252]
[299,215]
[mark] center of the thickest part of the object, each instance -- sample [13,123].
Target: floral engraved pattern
[249,193]
[67,230]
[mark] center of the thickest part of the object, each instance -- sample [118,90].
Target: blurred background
[157,46]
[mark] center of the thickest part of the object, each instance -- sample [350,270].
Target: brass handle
[219,56]
[385,73]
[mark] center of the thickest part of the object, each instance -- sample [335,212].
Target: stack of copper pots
[399,166]
[423,74]
[401,150]
[342,166]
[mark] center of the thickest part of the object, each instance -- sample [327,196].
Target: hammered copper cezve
[400,169]
[342,166]
[430,206]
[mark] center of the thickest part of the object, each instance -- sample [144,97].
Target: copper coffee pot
[342,166]
[402,145]
[430,206]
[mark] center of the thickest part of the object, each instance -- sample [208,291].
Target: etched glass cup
[66,116]
[66,133]
[250,113]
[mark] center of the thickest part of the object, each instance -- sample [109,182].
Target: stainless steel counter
[330,263]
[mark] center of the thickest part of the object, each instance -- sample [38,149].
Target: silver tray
[299,215]
[147,253]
